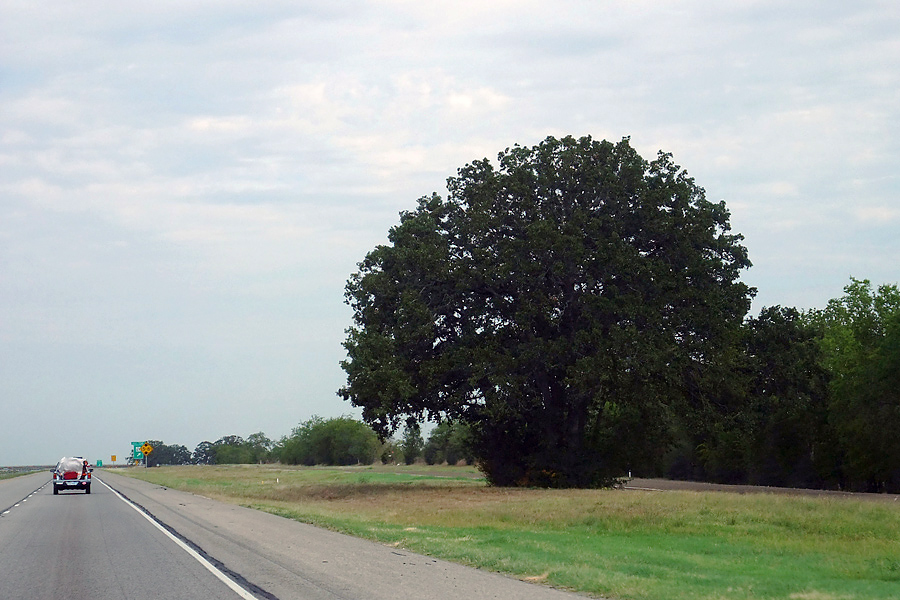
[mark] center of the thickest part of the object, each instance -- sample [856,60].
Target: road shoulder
[294,560]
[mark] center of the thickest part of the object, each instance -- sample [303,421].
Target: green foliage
[786,412]
[167,455]
[411,443]
[813,400]
[260,447]
[335,441]
[234,450]
[231,450]
[390,452]
[449,442]
[203,454]
[789,399]
[768,425]
[555,304]
[861,344]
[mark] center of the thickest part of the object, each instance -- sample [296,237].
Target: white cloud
[480,100]
[230,125]
[881,215]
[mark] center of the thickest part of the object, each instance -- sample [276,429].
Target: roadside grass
[613,543]
[11,474]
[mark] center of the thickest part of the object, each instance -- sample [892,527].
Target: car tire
[87,489]
[55,490]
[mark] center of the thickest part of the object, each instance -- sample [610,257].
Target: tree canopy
[449,442]
[334,441]
[861,344]
[164,454]
[768,426]
[562,304]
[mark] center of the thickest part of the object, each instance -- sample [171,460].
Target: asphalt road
[94,546]
[99,546]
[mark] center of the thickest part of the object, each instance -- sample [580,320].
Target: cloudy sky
[185,187]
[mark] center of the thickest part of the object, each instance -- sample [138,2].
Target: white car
[72,473]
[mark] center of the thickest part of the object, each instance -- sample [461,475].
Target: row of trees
[318,441]
[813,401]
[231,449]
[447,443]
[810,400]
[579,309]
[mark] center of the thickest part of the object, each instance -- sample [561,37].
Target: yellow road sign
[146,448]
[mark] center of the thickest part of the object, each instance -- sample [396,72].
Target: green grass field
[11,474]
[620,544]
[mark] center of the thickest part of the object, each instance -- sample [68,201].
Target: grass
[11,474]
[612,543]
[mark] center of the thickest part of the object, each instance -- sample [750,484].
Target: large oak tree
[566,304]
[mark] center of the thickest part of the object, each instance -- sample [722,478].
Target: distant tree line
[230,449]
[811,399]
[319,441]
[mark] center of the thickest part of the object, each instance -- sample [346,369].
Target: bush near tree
[334,441]
[391,452]
[233,449]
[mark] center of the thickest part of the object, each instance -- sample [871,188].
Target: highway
[136,540]
[76,545]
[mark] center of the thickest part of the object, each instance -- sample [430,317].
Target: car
[72,473]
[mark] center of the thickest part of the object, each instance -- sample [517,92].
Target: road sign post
[146,449]
[136,454]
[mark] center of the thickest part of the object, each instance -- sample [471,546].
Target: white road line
[209,566]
